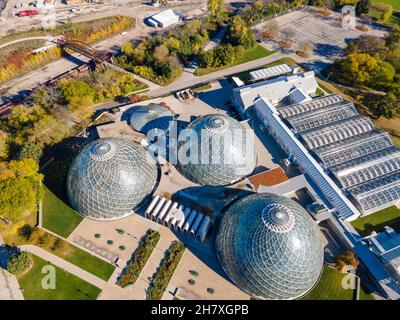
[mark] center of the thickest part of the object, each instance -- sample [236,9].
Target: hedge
[166,271]
[139,259]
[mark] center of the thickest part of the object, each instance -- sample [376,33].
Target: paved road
[188,79]
[67,266]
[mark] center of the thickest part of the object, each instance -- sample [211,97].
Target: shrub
[166,271]
[25,231]
[122,248]
[19,262]
[139,259]
[97,235]
[110,242]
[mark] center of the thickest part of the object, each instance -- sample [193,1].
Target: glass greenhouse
[222,152]
[377,193]
[336,131]
[314,104]
[354,147]
[153,116]
[109,178]
[326,115]
[368,167]
[270,247]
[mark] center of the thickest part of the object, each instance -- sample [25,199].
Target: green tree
[386,107]
[206,59]
[362,68]
[31,150]
[76,91]
[19,262]
[387,13]
[3,145]
[362,7]
[393,39]
[19,188]
[225,54]
[216,8]
[341,3]
[49,130]
[384,72]
[239,33]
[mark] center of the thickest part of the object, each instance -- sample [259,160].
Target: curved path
[63,264]
[48,38]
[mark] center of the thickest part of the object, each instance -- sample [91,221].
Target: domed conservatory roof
[270,247]
[109,178]
[224,150]
[152,116]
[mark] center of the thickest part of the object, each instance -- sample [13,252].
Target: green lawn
[329,287]
[89,262]
[377,221]
[251,54]
[245,75]
[58,216]
[68,286]
[61,219]
[394,3]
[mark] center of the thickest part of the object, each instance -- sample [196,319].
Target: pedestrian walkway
[63,264]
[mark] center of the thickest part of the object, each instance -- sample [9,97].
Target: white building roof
[298,96]
[274,89]
[237,81]
[166,17]
[270,72]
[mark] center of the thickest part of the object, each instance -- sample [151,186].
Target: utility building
[164,19]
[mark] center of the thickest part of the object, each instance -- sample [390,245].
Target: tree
[239,33]
[393,39]
[305,49]
[19,262]
[346,259]
[225,54]
[49,130]
[366,44]
[297,3]
[216,8]
[270,29]
[362,68]
[18,178]
[206,59]
[3,145]
[341,3]
[161,52]
[74,90]
[384,72]
[30,150]
[362,7]
[387,12]
[386,107]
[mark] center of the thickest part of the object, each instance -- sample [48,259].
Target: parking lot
[325,33]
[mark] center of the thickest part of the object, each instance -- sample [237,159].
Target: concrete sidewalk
[67,266]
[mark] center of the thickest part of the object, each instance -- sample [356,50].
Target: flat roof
[270,72]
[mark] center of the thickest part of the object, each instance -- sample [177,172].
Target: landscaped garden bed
[139,258]
[166,271]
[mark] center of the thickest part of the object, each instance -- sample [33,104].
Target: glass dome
[109,178]
[223,152]
[270,247]
[153,116]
